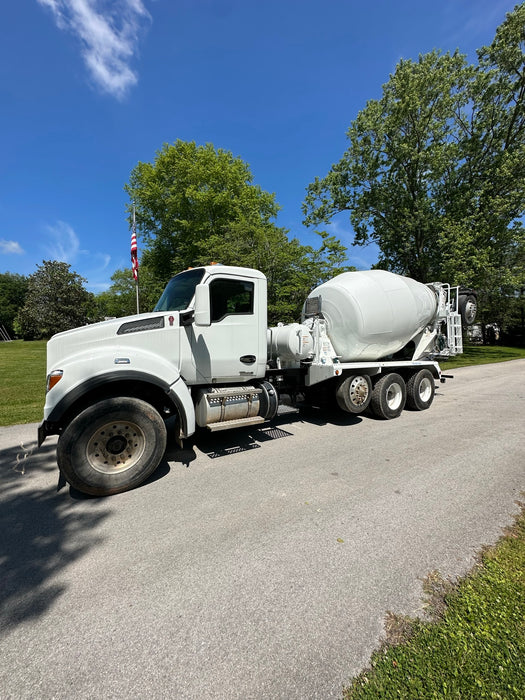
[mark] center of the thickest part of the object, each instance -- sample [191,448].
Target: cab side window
[230,297]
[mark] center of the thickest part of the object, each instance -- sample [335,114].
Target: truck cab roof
[219,269]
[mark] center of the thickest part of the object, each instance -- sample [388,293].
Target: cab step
[237,423]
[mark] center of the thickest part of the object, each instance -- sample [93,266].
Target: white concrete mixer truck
[367,341]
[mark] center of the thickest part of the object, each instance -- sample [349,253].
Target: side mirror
[186,318]
[202,305]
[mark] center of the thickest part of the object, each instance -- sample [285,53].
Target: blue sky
[91,87]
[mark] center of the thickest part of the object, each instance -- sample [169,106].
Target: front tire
[112,446]
[389,396]
[420,390]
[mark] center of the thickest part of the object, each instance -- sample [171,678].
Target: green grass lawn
[23,372]
[477,647]
[483,355]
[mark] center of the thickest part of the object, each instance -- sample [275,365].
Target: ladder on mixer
[454,335]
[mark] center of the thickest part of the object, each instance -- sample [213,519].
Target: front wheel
[420,390]
[389,396]
[112,446]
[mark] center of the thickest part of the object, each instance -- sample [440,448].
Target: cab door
[231,348]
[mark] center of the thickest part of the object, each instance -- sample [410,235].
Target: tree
[195,205]
[188,194]
[435,169]
[121,298]
[292,269]
[13,290]
[56,301]
[484,227]
[400,150]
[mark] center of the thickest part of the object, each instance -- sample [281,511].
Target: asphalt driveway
[256,563]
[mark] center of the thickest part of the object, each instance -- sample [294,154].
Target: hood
[91,337]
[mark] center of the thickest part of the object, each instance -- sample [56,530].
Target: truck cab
[223,323]
[199,356]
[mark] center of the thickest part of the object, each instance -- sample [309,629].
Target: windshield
[180,291]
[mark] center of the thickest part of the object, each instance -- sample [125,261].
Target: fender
[178,393]
[181,397]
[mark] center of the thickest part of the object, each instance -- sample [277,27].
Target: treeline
[51,300]
[434,174]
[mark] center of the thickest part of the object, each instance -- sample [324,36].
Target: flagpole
[137,268]
[134,258]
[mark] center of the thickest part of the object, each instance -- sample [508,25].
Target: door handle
[248,359]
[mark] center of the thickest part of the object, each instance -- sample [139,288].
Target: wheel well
[150,393]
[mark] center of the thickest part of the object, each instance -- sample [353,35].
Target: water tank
[291,342]
[374,313]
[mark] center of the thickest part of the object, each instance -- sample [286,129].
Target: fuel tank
[372,314]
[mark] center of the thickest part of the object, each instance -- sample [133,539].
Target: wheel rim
[394,396]
[425,389]
[470,312]
[115,447]
[359,391]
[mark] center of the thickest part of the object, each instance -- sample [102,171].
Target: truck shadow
[229,442]
[160,472]
[41,533]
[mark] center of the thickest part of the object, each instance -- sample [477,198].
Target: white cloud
[476,23]
[97,287]
[10,247]
[108,32]
[361,257]
[485,18]
[340,228]
[105,260]
[64,244]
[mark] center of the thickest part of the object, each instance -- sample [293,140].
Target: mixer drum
[372,314]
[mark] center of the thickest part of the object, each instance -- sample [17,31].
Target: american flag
[134,258]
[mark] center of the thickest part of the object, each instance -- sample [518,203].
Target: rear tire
[112,446]
[388,396]
[420,390]
[354,393]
